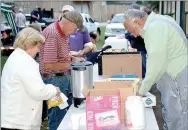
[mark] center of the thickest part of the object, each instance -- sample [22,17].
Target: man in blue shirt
[34,16]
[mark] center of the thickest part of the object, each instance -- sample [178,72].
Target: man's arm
[156,45]
[86,50]
[57,66]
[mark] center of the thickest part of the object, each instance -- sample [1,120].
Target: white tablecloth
[75,119]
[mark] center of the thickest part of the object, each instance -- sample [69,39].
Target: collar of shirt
[23,52]
[149,19]
[59,29]
[30,58]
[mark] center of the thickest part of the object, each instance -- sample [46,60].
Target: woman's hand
[58,91]
[59,99]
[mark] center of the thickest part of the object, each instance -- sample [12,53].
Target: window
[117,19]
[86,19]
[91,21]
[28,18]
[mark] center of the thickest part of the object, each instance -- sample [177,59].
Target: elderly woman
[22,87]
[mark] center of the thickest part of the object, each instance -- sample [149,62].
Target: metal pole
[178,12]
[175,10]
[160,7]
[81,7]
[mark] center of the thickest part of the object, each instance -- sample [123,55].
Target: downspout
[178,12]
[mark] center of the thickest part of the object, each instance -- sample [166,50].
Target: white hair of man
[134,14]
[21,10]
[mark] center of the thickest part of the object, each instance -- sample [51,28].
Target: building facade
[178,10]
[99,11]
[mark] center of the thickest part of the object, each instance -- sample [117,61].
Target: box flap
[125,92]
[112,84]
[102,92]
[125,87]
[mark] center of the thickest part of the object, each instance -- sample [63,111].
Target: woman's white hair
[133,14]
[27,38]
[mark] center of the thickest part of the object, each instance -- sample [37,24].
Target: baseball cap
[68,7]
[76,18]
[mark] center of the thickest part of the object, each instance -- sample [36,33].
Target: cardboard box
[125,88]
[103,109]
[121,64]
[134,82]
[149,100]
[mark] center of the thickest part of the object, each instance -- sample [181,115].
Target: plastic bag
[54,102]
[135,113]
[58,101]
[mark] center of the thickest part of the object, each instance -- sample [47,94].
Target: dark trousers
[143,54]
[56,115]
[44,110]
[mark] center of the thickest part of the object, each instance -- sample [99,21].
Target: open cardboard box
[121,64]
[125,88]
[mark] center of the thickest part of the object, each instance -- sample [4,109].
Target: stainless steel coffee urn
[82,76]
